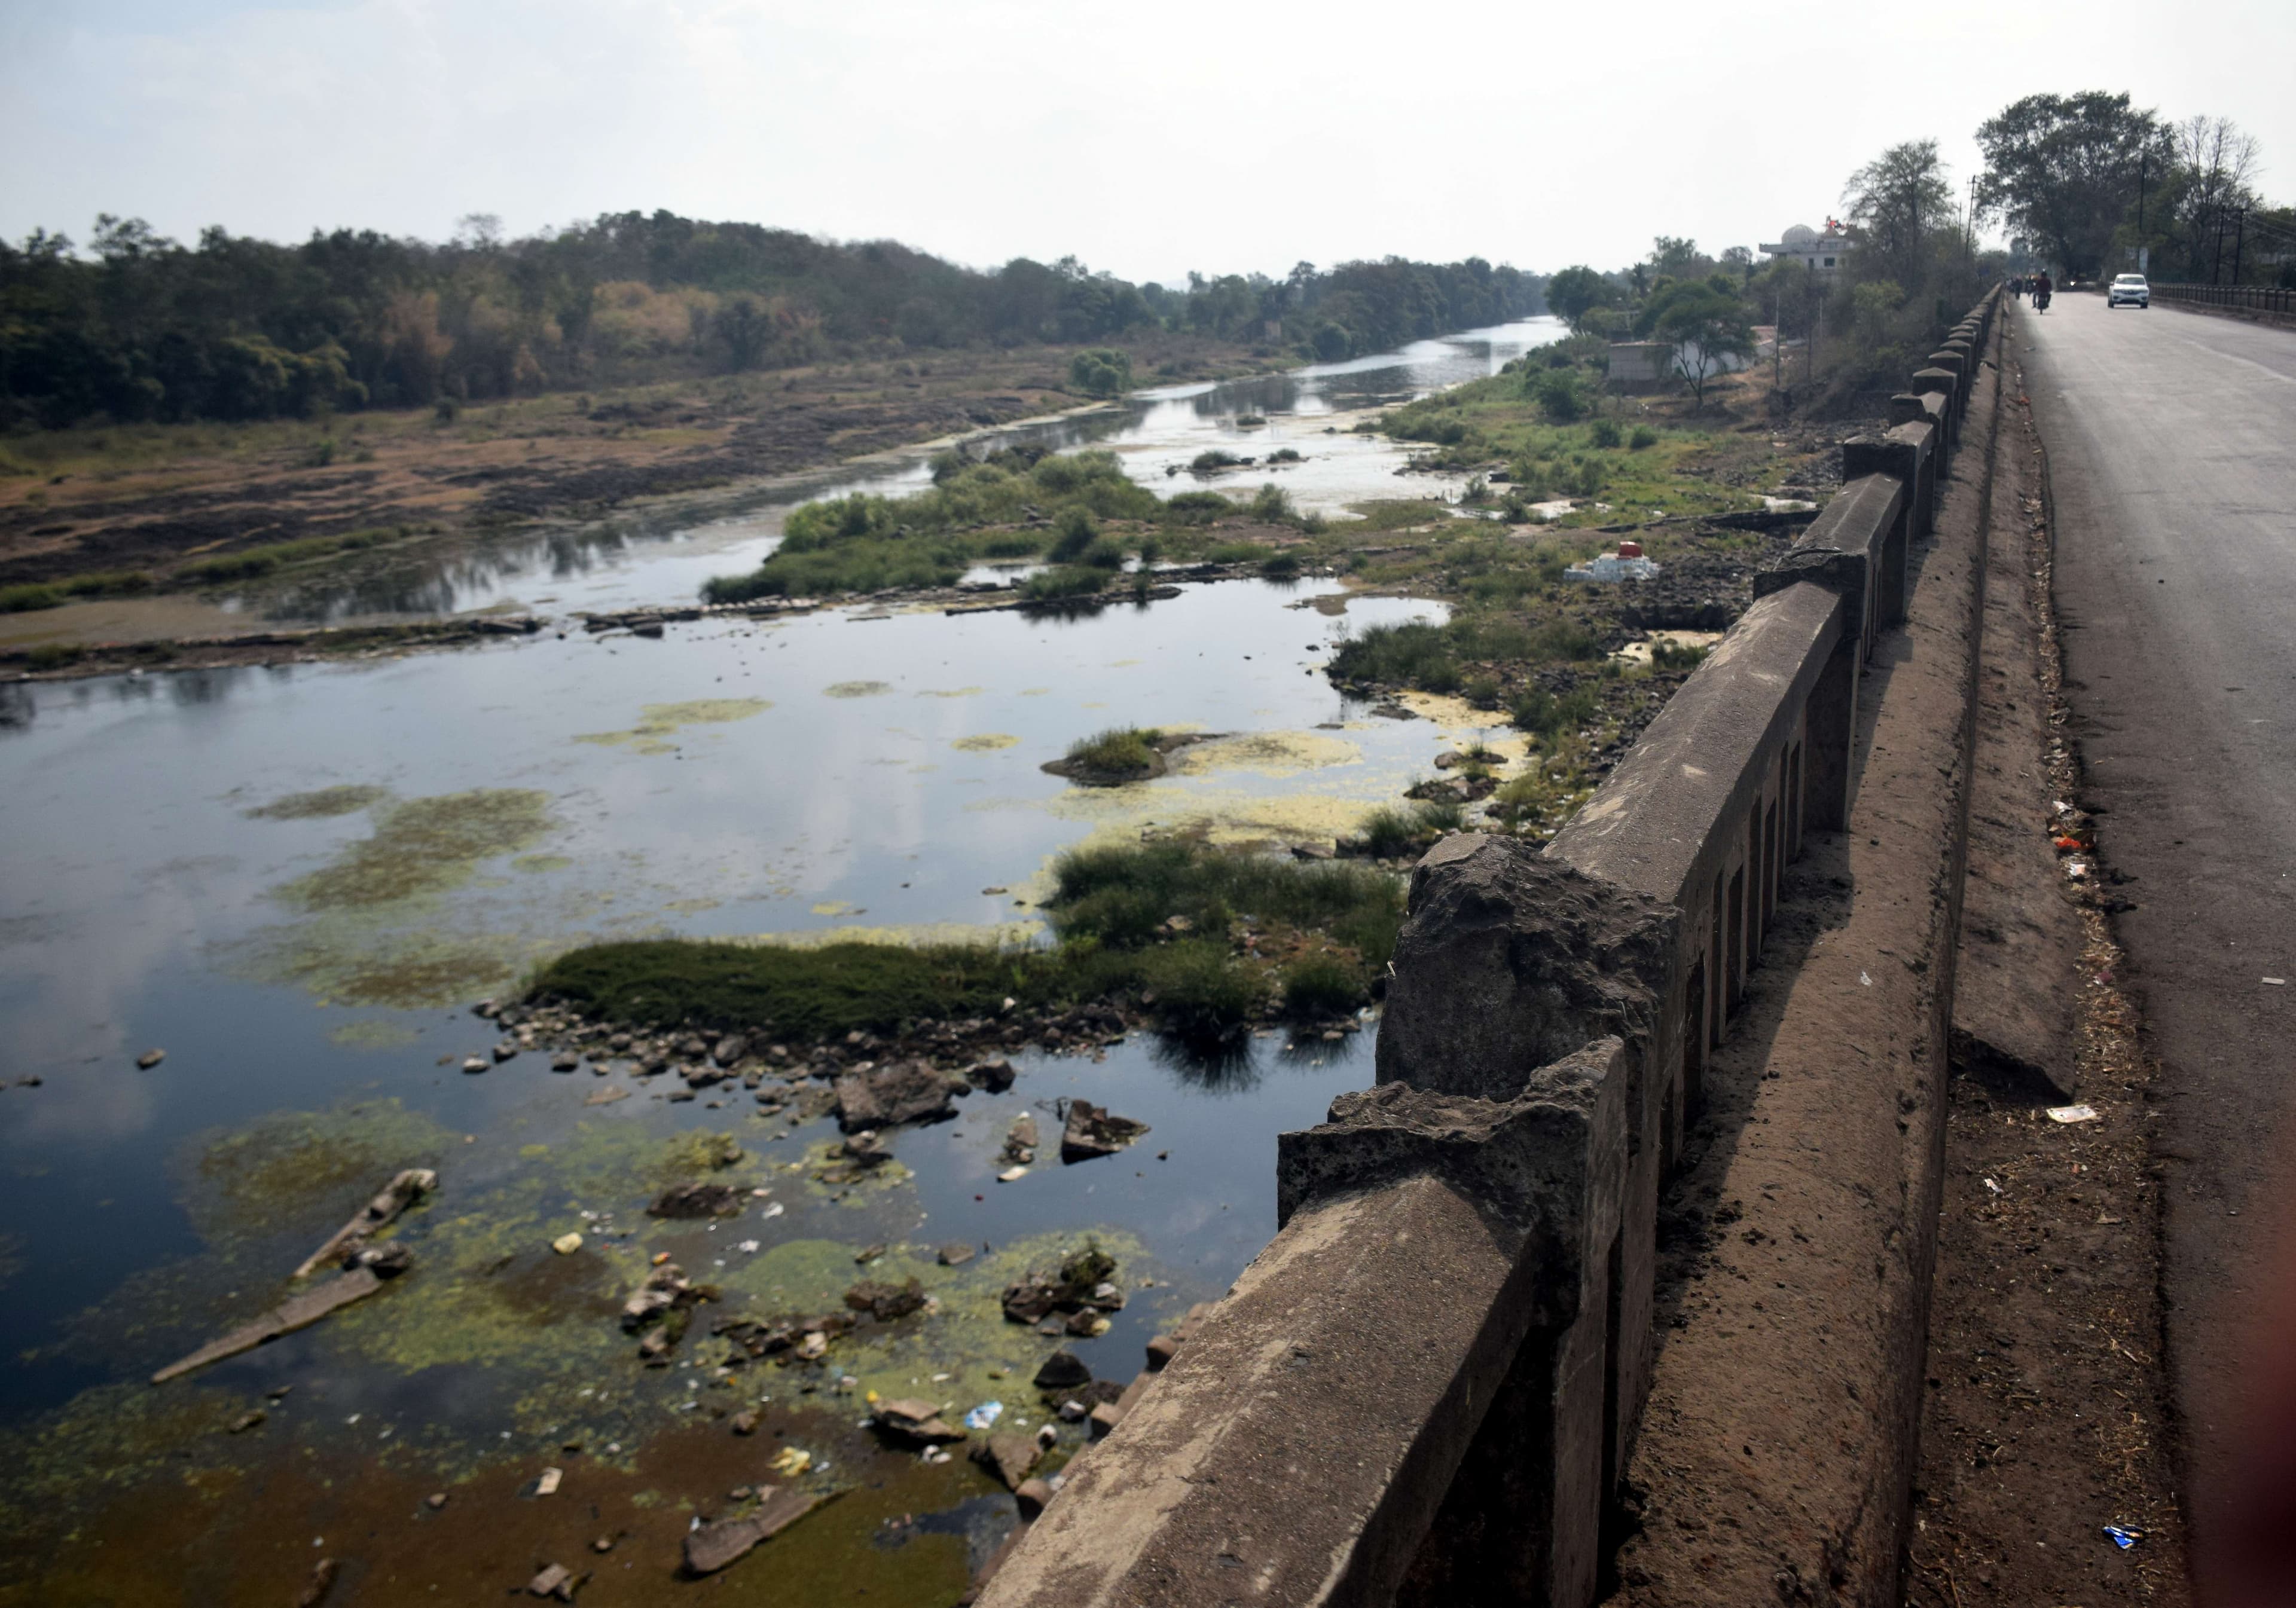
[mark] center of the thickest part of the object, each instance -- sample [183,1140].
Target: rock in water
[151,1058]
[712,1547]
[994,1075]
[1020,1142]
[401,1192]
[919,1422]
[698,1200]
[1062,1371]
[907,1091]
[1009,1457]
[885,1302]
[1093,1131]
[557,1580]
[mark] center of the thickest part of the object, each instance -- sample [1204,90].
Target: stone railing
[1424,1387]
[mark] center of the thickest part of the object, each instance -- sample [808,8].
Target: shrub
[1604,432]
[1197,508]
[1280,566]
[1201,992]
[1482,691]
[1212,462]
[1389,831]
[1675,656]
[1644,436]
[1536,711]
[1106,553]
[1559,394]
[1320,985]
[1120,750]
[1068,581]
[1412,654]
[1078,531]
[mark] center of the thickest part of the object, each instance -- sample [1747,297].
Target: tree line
[137,326]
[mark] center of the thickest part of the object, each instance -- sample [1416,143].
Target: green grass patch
[1112,914]
[1119,751]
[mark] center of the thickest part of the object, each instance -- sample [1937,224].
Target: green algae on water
[320,805]
[424,845]
[374,1033]
[858,690]
[658,722]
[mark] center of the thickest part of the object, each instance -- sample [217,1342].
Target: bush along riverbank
[1199,943]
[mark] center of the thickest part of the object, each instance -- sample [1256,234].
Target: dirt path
[2045,1417]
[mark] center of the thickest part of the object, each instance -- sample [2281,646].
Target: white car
[2130,287]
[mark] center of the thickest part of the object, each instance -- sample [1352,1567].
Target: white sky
[1148,139]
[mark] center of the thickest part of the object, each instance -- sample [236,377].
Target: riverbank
[132,510]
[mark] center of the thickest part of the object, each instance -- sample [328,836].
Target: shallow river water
[294,881]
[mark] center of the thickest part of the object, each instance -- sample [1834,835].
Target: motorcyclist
[2043,287]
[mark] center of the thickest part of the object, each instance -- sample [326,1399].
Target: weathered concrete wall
[1427,1388]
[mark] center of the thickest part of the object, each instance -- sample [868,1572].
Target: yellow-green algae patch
[424,845]
[985,742]
[858,688]
[658,722]
[353,959]
[951,692]
[308,1168]
[535,864]
[321,804]
[1265,754]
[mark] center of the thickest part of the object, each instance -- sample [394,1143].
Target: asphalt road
[2171,442]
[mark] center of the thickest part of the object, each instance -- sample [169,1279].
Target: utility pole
[2240,233]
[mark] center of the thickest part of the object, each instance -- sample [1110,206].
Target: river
[294,881]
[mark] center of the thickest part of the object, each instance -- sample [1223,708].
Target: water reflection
[664,554]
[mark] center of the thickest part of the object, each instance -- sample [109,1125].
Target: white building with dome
[1820,251]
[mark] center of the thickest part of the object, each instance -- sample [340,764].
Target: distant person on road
[2017,286]
[2042,289]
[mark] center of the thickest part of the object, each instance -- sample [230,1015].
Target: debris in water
[557,1580]
[247,1421]
[710,1548]
[322,1581]
[1093,1131]
[400,1193]
[954,1255]
[1011,1175]
[566,1245]
[885,1301]
[792,1462]
[1020,1141]
[151,1058]
[548,1484]
[985,1416]
[373,1269]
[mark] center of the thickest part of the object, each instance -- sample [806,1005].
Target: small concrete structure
[1640,365]
[1626,564]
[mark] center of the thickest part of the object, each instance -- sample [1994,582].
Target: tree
[1897,201]
[1576,291]
[2213,160]
[1101,371]
[1709,327]
[2065,169]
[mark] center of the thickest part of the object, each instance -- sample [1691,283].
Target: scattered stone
[1088,1325]
[566,1245]
[151,1058]
[919,1422]
[1033,1495]
[1020,1141]
[868,1149]
[666,1298]
[402,1191]
[1082,1283]
[692,1047]
[730,1049]
[869,1254]
[603,1544]
[1009,1457]
[565,1060]
[436,1500]
[606,1096]
[546,1484]
[505,1049]
[955,1254]
[698,1200]
[885,1302]
[907,1091]
[746,1421]
[476,1064]
[322,1581]
[710,1548]
[557,1582]
[994,1074]
[1093,1131]
[1063,1370]
[247,1421]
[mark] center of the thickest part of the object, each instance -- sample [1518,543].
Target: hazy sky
[1145,139]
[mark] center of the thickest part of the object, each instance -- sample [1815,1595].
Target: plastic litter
[2073,1113]
[1868,981]
[2123,1537]
[1992,1188]
[2277,982]
[792,1463]
[547,1485]
[1011,1175]
[984,1415]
